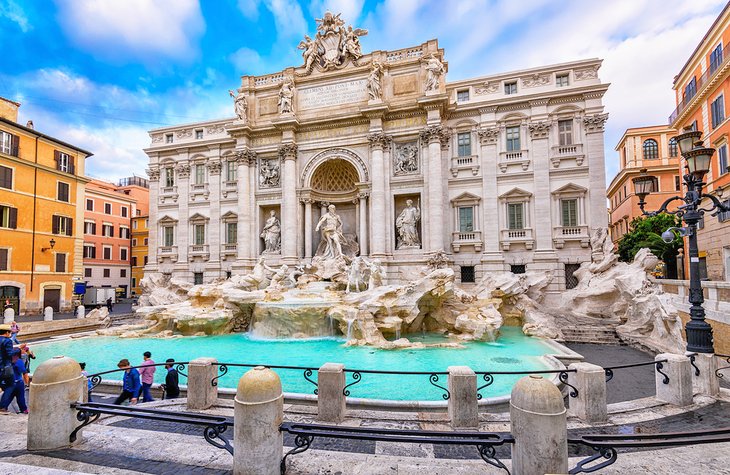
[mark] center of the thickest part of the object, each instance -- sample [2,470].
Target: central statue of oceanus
[334,243]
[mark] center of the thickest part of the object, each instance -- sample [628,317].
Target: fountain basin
[512,351]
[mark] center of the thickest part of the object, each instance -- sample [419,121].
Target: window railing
[701,82]
[470,236]
[571,231]
[198,249]
[167,250]
[567,150]
[516,234]
[513,155]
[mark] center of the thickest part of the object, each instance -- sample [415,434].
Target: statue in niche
[407,225]
[286,97]
[309,51]
[272,234]
[332,236]
[375,90]
[406,159]
[269,173]
[239,104]
[434,70]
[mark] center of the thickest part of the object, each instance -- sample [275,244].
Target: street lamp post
[699,332]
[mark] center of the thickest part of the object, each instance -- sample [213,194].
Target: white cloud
[248,61]
[249,8]
[133,28]
[12,11]
[288,18]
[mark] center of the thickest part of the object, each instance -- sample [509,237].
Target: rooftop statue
[333,47]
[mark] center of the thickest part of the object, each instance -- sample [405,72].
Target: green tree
[647,232]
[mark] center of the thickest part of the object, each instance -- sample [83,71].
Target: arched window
[673,147]
[651,149]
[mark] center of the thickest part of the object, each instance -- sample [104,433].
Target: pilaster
[288,156]
[378,142]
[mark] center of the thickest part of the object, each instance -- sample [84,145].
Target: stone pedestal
[56,384]
[80,311]
[539,426]
[201,393]
[8,315]
[48,314]
[590,381]
[678,390]
[463,405]
[707,382]
[330,396]
[258,445]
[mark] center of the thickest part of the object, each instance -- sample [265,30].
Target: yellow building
[140,236]
[41,215]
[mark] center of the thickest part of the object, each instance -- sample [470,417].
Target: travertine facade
[503,172]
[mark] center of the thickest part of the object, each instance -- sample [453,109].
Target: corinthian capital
[595,123]
[379,140]
[288,151]
[488,135]
[435,133]
[246,157]
[539,130]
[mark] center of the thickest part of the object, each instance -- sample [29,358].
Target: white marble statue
[375,90]
[377,274]
[279,277]
[332,236]
[239,104]
[269,174]
[434,70]
[356,274]
[271,234]
[406,159]
[407,225]
[351,43]
[309,51]
[257,277]
[286,97]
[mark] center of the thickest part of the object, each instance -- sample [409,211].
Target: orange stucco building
[701,88]
[138,188]
[642,147]
[41,215]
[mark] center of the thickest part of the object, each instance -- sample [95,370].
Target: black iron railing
[488,378]
[718,371]
[433,378]
[306,371]
[658,365]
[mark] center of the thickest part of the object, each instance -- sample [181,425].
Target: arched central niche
[335,176]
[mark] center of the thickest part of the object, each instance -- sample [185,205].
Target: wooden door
[52,298]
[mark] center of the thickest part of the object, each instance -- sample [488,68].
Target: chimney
[9,109]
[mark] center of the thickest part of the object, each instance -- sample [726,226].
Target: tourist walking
[26,355]
[7,376]
[147,375]
[109,305]
[130,384]
[14,330]
[17,389]
[172,387]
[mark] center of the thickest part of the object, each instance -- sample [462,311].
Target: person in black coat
[172,387]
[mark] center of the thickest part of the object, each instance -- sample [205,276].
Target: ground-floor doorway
[52,298]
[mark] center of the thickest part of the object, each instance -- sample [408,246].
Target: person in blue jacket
[131,383]
[17,390]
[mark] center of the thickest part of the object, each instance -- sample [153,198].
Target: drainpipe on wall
[35,191]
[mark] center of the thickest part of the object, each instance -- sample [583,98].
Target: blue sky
[101,73]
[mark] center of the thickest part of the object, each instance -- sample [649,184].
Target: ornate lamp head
[644,184]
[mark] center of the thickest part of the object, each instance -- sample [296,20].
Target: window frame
[229,226]
[717,111]
[565,137]
[722,158]
[462,95]
[196,238]
[199,174]
[573,215]
[171,241]
[510,88]
[650,149]
[169,177]
[63,256]
[516,205]
[463,149]
[124,211]
[559,77]
[169,138]
[199,134]
[11,171]
[471,218]
[64,162]
[59,185]
[673,147]
[509,142]
[231,171]
[8,255]
[12,217]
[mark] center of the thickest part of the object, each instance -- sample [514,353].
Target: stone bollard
[539,426]
[48,314]
[678,391]
[706,383]
[463,404]
[80,312]
[201,393]
[590,381]
[8,315]
[258,445]
[330,395]
[56,384]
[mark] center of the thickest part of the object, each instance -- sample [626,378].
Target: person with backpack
[131,385]
[17,390]
[7,375]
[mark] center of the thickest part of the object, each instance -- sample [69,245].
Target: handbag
[7,376]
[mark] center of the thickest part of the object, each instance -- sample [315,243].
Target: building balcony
[198,250]
[199,192]
[469,238]
[513,157]
[559,153]
[517,236]
[168,194]
[228,250]
[167,252]
[468,162]
[562,234]
[229,189]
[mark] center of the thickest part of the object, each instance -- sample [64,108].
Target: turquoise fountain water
[513,351]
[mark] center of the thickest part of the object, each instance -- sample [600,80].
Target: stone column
[246,159]
[678,390]
[154,173]
[182,233]
[540,156]
[56,384]
[593,149]
[590,382]
[490,198]
[307,228]
[463,405]
[435,136]
[201,392]
[330,392]
[258,445]
[214,225]
[378,142]
[539,426]
[363,237]
[288,155]
[707,382]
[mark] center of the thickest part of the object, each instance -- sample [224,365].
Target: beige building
[501,172]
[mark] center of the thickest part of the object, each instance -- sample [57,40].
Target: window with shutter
[6,177]
[570,212]
[69,226]
[55,224]
[60,262]
[4,259]
[8,217]
[515,216]
[63,192]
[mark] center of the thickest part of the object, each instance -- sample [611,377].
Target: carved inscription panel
[330,95]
